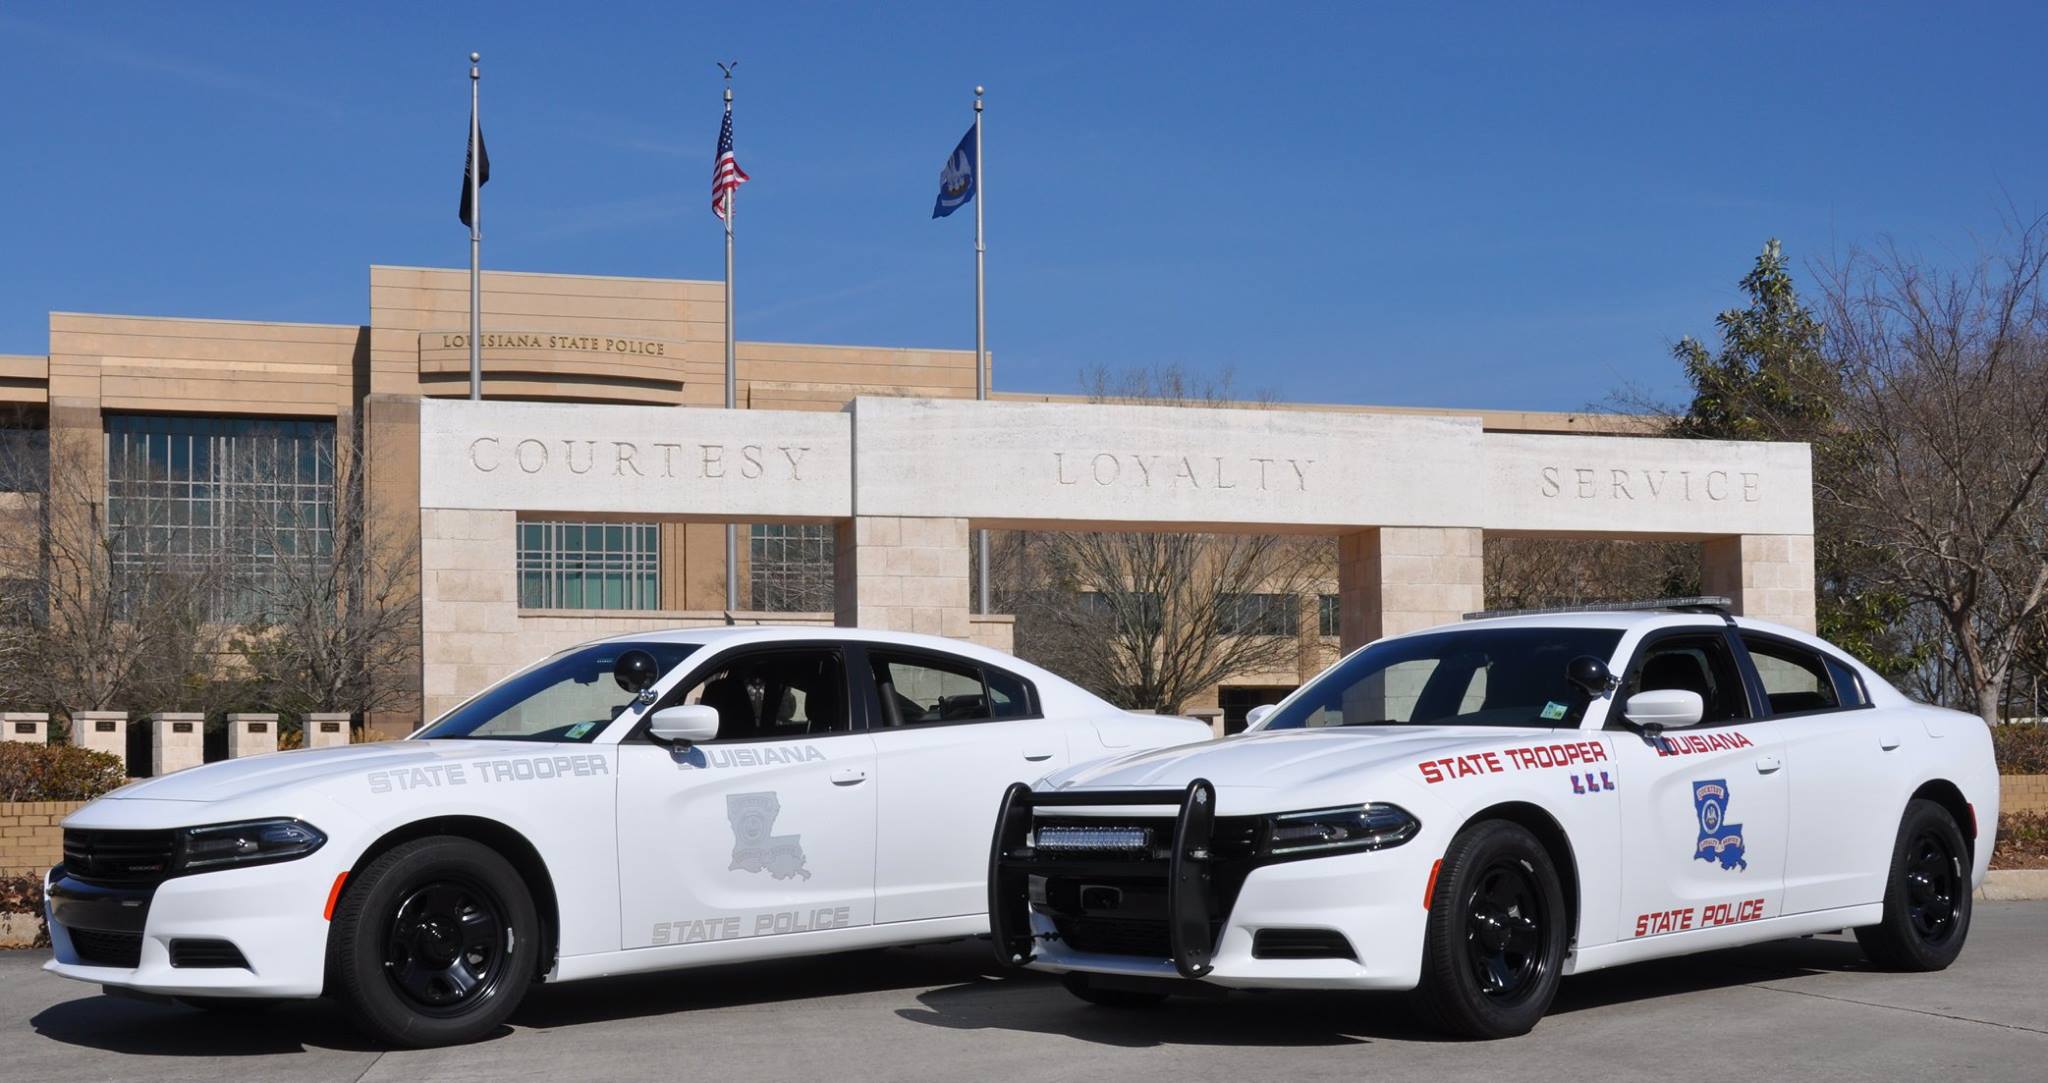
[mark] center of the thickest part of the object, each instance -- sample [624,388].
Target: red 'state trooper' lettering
[1529,758]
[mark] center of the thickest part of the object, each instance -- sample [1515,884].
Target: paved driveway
[1800,1007]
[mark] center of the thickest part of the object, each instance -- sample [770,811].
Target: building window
[235,500]
[589,565]
[1329,615]
[24,453]
[1259,614]
[1133,612]
[791,567]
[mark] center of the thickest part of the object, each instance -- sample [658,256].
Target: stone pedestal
[28,727]
[904,574]
[101,731]
[251,735]
[1398,579]
[1767,576]
[326,730]
[176,741]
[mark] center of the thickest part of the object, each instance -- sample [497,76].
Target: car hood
[241,777]
[1289,760]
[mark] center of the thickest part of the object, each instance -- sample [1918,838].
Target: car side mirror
[688,723]
[1258,714]
[1665,708]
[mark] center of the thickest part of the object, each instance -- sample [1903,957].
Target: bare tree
[1938,460]
[1539,571]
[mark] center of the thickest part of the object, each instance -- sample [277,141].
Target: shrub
[23,894]
[2022,748]
[56,772]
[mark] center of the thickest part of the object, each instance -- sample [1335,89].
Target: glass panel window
[571,696]
[1259,614]
[564,565]
[776,693]
[1467,677]
[791,567]
[928,690]
[1329,615]
[1794,679]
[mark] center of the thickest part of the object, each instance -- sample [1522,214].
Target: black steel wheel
[435,942]
[1495,942]
[1926,896]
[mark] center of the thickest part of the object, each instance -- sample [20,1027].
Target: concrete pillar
[28,727]
[326,730]
[1398,579]
[904,574]
[1767,576]
[251,735]
[176,741]
[101,731]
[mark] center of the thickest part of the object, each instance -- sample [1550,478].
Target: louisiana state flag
[958,179]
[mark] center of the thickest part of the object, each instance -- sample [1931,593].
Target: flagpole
[980,317]
[732,533]
[476,241]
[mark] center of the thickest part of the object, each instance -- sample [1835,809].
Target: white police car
[1475,810]
[642,803]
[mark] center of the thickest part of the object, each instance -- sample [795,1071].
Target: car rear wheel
[433,943]
[1496,936]
[1926,894]
[1082,986]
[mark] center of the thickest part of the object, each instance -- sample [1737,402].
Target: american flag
[726,174]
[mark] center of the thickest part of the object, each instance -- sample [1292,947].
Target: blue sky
[1474,205]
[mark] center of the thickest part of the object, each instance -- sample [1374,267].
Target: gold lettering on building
[536,340]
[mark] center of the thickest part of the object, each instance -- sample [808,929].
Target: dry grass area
[2022,841]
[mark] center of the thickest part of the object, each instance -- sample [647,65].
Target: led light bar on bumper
[1074,837]
[250,842]
[1345,829]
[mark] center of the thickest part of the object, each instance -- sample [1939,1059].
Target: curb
[2013,885]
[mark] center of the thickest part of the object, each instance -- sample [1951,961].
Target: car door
[767,830]
[1704,809]
[1851,773]
[951,734]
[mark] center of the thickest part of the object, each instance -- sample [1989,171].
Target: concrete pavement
[1808,1008]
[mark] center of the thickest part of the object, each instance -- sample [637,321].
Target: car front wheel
[434,943]
[1496,937]
[1926,894]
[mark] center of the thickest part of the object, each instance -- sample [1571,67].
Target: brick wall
[29,838]
[2023,793]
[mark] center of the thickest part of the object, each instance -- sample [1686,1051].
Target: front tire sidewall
[1450,994]
[362,920]
[1894,943]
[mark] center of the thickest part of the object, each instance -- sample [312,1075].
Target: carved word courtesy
[1680,486]
[1138,471]
[628,458]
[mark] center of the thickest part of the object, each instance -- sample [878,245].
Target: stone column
[251,735]
[28,727]
[1398,579]
[176,741]
[326,730]
[1767,576]
[904,574]
[102,731]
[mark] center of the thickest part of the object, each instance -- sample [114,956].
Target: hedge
[31,772]
[2021,747]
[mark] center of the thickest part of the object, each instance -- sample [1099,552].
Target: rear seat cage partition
[1012,860]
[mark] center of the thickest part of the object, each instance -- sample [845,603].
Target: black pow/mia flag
[483,177]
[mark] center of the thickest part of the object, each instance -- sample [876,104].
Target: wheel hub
[443,948]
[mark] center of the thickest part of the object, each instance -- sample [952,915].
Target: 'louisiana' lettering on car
[761,757]
[1530,758]
[1691,744]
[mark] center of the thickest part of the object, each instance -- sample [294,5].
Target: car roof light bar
[1707,603]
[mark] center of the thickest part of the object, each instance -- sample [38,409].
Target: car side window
[1693,663]
[922,689]
[1848,683]
[778,693]
[1794,679]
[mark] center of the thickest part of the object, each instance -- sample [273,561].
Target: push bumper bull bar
[1189,869]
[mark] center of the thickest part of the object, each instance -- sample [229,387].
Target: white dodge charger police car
[641,803]
[1473,811]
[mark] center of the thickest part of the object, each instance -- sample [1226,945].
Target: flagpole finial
[473,58]
[978,92]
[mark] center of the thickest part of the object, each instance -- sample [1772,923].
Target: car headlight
[250,842]
[1346,828]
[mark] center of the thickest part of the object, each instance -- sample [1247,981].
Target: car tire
[1082,986]
[434,943]
[1926,894]
[1495,942]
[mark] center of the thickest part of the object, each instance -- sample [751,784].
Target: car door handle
[1888,741]
[1036,756]
[849,776]
[1766,764]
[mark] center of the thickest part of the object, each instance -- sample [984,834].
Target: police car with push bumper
[642,803]
[1474,811]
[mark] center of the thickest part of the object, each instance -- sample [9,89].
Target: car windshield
[1466,677]
[568,697]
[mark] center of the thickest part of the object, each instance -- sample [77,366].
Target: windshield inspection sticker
[1553,710]
[577,731]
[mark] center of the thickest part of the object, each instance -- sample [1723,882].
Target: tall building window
[1259,614]
[791,567]
[231,498]
[589,565]
[24,452]
[1329,615]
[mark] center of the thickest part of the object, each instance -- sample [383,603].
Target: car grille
[1145,938]
[1301,944]
[1112,899]
[97,948]
[118,858]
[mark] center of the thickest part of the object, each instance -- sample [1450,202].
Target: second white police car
[642,803]
[1474,811]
